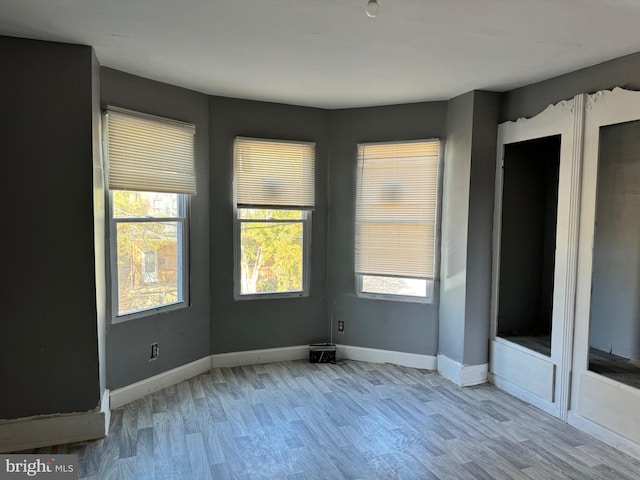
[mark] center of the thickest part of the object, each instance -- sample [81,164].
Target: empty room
[338,239]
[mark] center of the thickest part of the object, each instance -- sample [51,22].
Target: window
[275,195]
[396,215]
[151,173]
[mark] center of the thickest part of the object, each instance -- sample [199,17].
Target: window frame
[432,283]
[184,207]
[306,230]
[111,244]
[237,254]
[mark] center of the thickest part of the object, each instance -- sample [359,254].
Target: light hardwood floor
[352,420]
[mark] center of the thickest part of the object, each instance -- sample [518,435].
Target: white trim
[105,408]
[462,375]
[534,373]
[375,355]
[604,434]
[523,394]
[40,431]
[474,374]
[256,357]
[603,108]
[566,120]
[450,369]
[505,342]
[34,432]
[571,269]
[124,395]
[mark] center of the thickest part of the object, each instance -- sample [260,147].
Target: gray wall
[182,335]
[263,323]
[530,100]
[455,215]
[615,300]
[400,326]
[48,336]
[486,111]
[467,225]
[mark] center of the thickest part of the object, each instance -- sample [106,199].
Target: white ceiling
[328,53]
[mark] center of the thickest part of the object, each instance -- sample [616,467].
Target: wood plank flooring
[351,420]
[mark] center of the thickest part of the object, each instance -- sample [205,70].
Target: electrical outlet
[155,351]
[340,326]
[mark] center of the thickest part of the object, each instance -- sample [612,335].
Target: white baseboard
[34,432]
[462,375]
[105,407]
[604,434]
[375,355]
[524,395]
[124,395]
[256,357]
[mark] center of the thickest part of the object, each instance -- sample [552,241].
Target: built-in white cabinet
[565,317]
[606,360]
[534,257]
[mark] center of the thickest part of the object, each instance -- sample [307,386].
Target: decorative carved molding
[566,105]
[596,97]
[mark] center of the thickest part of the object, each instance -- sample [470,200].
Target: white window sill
[267,296]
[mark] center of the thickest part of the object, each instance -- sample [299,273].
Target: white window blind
[150,154]
[396,208]
[274,174]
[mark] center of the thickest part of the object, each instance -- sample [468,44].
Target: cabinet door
[535,250]
[606,378]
